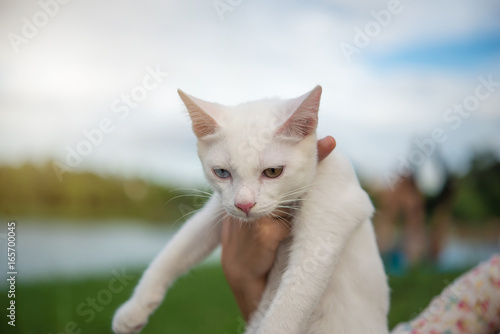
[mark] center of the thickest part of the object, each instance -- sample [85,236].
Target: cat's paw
[131,317]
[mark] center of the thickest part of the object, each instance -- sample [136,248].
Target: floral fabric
[470,305]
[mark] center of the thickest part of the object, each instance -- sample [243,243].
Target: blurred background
[98,163]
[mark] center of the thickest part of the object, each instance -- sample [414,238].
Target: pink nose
[245,207]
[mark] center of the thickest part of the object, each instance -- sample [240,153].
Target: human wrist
[248,293]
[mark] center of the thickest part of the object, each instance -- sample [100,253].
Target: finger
[325,147]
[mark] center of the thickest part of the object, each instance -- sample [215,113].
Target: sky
[92,84]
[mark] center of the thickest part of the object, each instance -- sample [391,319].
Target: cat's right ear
[199,111]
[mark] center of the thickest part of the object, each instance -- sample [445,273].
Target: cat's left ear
[202,114]
[304,119]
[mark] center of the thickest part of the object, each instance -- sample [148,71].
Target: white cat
[261,158]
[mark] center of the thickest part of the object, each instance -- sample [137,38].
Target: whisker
[287,207]
[173,225]
[278,210]
[222,214]
[278,219]
[192,189]
[187,214]
[298,189]
[186,195]
[293,200]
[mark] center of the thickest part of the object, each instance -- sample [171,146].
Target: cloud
[67,77]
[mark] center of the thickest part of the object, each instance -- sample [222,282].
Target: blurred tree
[478,193]
[31,191]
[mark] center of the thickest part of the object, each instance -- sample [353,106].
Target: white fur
[328,276]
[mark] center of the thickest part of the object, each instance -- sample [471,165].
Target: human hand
[249,250]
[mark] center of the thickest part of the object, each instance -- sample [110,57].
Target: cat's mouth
[281,210]
[277,214]
[251,217]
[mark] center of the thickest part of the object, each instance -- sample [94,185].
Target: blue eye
[222,173]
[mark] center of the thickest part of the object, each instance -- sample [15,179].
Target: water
[47,251]
[460,252]
[51,250]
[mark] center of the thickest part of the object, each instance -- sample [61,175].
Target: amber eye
[273,172]
[222,173]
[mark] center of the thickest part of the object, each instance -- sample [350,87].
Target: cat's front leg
[194,241]
[311,263]
[320,233]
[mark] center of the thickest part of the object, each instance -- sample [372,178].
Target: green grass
[200,302]
[412,292]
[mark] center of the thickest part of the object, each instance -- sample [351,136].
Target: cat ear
[200,112]
[304,118]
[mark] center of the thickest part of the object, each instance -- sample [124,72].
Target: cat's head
[259,156]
